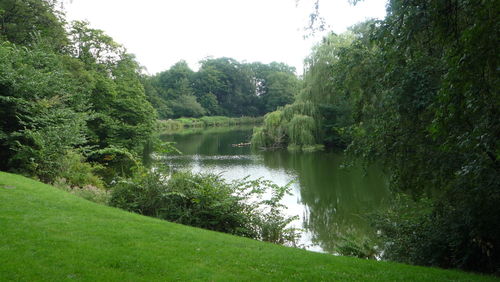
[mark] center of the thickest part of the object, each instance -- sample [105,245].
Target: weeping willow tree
[273,133]
[320,109]
[301,130]
[294,126]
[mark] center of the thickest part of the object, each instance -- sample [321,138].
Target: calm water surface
[331,202]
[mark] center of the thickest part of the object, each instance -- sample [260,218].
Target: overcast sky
[162,32]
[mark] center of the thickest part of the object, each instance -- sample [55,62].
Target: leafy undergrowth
[49,234]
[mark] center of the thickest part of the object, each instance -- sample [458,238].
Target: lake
[332,202]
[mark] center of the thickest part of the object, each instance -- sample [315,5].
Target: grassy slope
[48,234]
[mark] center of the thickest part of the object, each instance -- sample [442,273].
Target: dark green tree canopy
[224,86]
[27,22]
[65,92]
[417,92]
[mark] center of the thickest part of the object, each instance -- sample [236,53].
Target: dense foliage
[321,111]
[222,86]
[207,201]
[69,95]
[418,92]
[439,133]
[42,117]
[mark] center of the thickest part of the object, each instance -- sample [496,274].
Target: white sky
[163,32]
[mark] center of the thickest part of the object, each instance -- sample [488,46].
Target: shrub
[433,232]
[401,228]
[41,153]
[115,162]
[79,177]
[88,192]
[207,201]
[357,246]
[79,173]
[169,124]
[207,121]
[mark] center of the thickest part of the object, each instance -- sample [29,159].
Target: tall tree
[175,87]
[276,84]
[27,22]
[235,92]
[122,116]
[41,117]
[433,121]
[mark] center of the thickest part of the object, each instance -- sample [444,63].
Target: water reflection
[331,201]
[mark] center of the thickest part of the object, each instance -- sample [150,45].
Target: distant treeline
[207,121]
[221,87]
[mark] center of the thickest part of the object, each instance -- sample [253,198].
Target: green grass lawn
[49,234]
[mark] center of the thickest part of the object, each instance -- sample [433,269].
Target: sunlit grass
[49,234]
